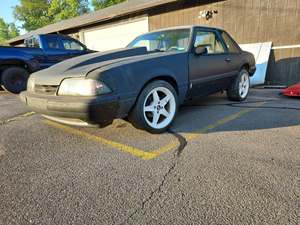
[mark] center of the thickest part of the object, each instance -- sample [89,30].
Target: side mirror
[200,50]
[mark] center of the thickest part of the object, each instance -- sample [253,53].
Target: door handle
[228,60]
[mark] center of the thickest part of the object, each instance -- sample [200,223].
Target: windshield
[169,40]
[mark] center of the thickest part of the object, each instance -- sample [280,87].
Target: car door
[54,50]
[208,71]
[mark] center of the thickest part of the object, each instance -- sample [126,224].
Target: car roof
[187,27]
[49,35]
[191,27]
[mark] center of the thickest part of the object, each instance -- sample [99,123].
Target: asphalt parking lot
[221,163]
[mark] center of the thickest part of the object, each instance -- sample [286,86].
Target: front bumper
[81,111]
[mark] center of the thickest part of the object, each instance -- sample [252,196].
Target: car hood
[82,65]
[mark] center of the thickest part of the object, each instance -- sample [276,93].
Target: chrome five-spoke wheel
[244,85]
[239,88]
[159,108]
[155,108]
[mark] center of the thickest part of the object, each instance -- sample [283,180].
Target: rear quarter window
[231,46]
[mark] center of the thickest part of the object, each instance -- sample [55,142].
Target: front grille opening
[46,89]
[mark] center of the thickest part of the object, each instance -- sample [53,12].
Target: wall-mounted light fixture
[207,14]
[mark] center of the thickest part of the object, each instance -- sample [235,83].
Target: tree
[65,9]
[7,31]
[3,31]
[13,31]
[38,13]
[100,4]
[33,14]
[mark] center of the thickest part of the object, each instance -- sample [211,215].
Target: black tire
[233,93]
[136,116]
[14,79]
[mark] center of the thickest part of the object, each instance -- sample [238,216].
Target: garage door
[116,35]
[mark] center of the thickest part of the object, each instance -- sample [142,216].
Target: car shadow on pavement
[264,109]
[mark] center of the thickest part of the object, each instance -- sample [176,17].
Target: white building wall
[113,36]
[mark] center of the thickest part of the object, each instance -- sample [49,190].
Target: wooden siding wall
[248,21]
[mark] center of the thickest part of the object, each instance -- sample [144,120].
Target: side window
[210,41]
[32,43]
[232,48]
[52,42]
[71,45]
[36,43]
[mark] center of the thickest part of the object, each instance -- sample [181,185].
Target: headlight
[30,84]
[82,87]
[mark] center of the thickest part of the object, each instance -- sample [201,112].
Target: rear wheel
[156,107]
[240,86]
[14,79]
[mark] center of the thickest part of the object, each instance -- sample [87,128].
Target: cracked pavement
[177,153]
[245,171]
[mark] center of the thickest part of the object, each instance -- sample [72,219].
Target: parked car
[145,82]
[292,91]
[40,52]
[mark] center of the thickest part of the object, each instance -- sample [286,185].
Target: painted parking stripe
[197,133]
[121,147]
[17,117]
[144,154]
[4,93]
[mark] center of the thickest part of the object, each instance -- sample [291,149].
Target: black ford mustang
[145,82]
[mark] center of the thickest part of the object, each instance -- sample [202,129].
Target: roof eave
[94,17]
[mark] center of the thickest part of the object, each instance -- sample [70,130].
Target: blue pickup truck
[40,52]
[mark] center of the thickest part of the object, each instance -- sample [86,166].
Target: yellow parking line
[17,117]
[148,155]
[122,147]
[166,148]
[197,133]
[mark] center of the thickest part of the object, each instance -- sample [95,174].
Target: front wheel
[239,89]
[155,108]
[14,79]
